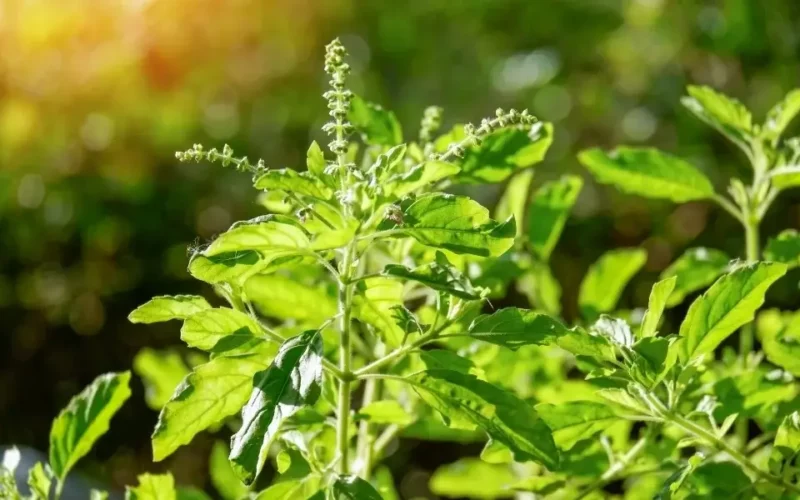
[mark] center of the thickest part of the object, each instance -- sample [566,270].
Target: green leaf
[465,401]
[543,485]
[472,478]
[85,420]
[375,301]
[781,115]
[781,343]
[315,162]
[514,328]
[386,164]
[223,477]
[786,446]
[725,114]
[541,288]
[384,482]
[785,177]
[720,480]
[353,488]
[695,269]
[428,173]
[40,479]
[286,297]
[220,330]
[502,153]
[168,307]
[448,360]
[291,181]
[291,382]
[655,307]
[616,330]
[293,489]
[676,480]
[376,125]
[603,284]
[648,172]
[161,372]
[623,404]
[496,452]
[247,248]
[454,223]
[730,303]
[153,487]
[656,356]
[438,275]
[548,213]
[514,199]
[579,342]
[98,495]
[212,392]
[385,412]
[784,248]
[575,421]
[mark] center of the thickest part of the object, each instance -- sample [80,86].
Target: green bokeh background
[96,215]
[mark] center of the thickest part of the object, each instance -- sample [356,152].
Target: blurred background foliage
[95,96]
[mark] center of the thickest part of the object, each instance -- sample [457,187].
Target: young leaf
[353,488]
[285,297]
[375,302]
[291,382]
[623,404]
[386,164]
[212,392]
[85,420]
[376,125]
[40,479]
[438,275]
[655,308]
[575,421]
[430,172]
[695,269]
[291,181]
[514,199]
[781,344]
[465,401]
[616,330]
[167,307]
[153,487]
[725,114]
[785,177]
[781,115]
[385,412]
[222,475]
[786,446]
[730,303]
[504,152]
[606,279]
[472,478]
[315,162]
[648,172]
[220,330]
[784,248]
[249,248]
[161,372]
[676,480]
[454,223]
[306,488]
[548,212]
[514,328]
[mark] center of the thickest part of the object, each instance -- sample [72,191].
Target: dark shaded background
[95,96]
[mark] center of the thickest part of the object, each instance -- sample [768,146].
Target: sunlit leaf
[781,341]
[603,284]
[291,382]
[353,488]
[161,372]
[548,212]
[385,412]
[454,223]
[472,478]
[730,303]
[221,330]
[291,181]
[648,172]
[85,420]
[514,328]
[374,303]
[655,308]
[781,115]
[40,480]
[153,487]
[430,172]
[725,114]
[375,124]
[223,477]
[167,307]
[439,275]
[784,248]
[575,421]
[285,297]
[514,199]
[212,392]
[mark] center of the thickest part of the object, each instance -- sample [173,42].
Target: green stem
[385,438]
[752,253]
[59,488]
[397,353]
[366,436]
[723,447]
[617,467]
[345,361]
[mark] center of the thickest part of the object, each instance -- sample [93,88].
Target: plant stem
[365,430]
[615,468]
[345,358]
[723,447]
[397,353]
[752,253]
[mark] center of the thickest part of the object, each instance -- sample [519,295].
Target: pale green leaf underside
[219,330]
[285,297]
[86,419]
[374,302]
[730,303]
[606,279]
[724,113]
[167,307]
[648,172]
[656,305]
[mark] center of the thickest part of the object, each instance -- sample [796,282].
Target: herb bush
[358,312]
